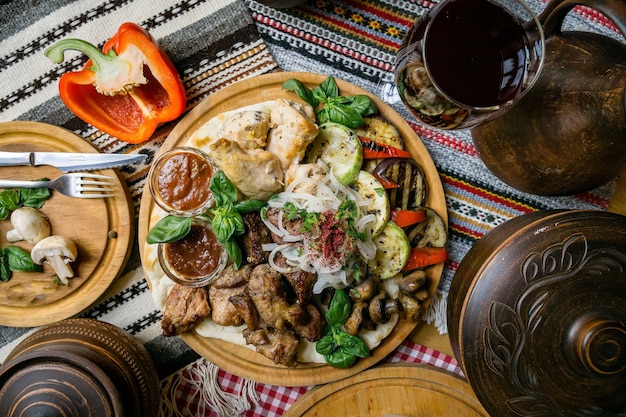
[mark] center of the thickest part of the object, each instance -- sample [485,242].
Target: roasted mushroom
[412,282]
[411,309]
[358,316]
[364,290]
[381,308]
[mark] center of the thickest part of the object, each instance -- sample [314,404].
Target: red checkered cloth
[202,390]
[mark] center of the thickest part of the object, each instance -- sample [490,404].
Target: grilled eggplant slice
[408,174]
[431,232]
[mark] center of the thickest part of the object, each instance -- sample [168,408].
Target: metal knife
[68,161]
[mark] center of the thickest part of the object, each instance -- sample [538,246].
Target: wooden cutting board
[411,390]
[102,229]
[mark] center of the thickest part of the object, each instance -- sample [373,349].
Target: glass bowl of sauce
[197,258]
[179,181]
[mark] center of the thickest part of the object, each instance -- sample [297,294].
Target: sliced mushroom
[58,251]
[412,282]
[358,316]
[364,290]
[29,224]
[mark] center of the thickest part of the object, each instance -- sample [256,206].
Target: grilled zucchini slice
[374,194]
[392,252]
[339,148]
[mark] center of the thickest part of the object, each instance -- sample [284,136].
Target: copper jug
[568,134]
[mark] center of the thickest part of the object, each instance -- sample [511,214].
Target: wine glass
[467,61]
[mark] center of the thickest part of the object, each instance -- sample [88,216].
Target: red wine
[476,52]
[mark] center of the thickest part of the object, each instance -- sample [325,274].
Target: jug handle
[552,17]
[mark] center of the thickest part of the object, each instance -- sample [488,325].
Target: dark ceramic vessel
[79,368]
[537,315]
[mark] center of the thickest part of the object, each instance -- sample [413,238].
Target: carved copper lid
[537,315]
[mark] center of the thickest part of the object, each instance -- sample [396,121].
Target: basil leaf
[33,197]
[234,251]
[326,345]
[5,271]
[223,190]
[9,199]
[248,206]
[4,212]
[355,345]
[363,105]
[339,310]
[169,229]
[345,115]
[329,87]
[302,91]
[20,260]
[227,223]
[340,358]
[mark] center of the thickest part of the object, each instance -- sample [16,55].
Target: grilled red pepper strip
[377,150]
[126,90]
[404,218]
[422,257]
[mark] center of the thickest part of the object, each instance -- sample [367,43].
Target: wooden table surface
[428,335]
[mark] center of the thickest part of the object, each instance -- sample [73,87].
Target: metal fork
[77,184]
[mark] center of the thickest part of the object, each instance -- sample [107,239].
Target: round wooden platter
[409,390]
[243,361]
[102,229]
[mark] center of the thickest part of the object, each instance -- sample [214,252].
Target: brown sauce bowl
[179,181]
[79,368]
[537,315]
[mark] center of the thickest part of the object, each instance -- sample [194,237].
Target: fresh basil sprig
[13,259]
[346,110]
[340,349]
[14,198]
[227,221]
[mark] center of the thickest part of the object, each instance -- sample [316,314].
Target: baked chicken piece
[293,128]
[249,128]
[256,173]
[184,308]
[231,283]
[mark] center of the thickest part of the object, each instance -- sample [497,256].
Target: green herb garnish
[346,110]
[14,198]
[14,259]
[340,349]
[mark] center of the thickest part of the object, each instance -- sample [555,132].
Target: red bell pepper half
[125,90]
[377,150]
[404,218]
[422,257]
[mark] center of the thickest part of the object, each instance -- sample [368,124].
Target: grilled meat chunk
[223,312]
[270,298]
[246,309]
[184,308]
[302,282]
[231,277]
[255,236]
[309,325]
[281,346]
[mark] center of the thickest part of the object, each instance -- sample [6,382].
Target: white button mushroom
[58,251]
[29,224]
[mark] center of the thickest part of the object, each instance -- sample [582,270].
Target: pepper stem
[114,74]
[56,53]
